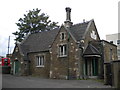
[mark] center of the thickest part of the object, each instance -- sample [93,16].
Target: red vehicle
[6,66]
[0,61]
[5,62]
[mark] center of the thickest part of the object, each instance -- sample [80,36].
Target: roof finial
[83,20]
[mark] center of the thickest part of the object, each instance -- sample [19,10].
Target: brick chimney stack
[68,22]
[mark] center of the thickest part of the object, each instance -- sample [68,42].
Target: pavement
[11,81]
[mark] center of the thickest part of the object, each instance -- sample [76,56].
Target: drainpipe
[81,46]
[14,68]
[68,71]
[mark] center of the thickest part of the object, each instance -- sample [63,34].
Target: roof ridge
[39,42]
[45,31]
[81,23]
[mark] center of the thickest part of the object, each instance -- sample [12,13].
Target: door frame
[93,64]
[16,66]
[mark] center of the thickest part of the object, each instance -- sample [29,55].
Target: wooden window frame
[40,61]
[63,50]
[62,36]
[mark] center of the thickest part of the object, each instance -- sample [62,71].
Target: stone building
[72,51]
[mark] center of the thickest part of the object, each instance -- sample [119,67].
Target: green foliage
[33,22]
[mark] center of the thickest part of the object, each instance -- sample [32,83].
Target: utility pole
[8,44]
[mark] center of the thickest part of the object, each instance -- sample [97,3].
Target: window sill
[63,56]
[40,66]
[62,39]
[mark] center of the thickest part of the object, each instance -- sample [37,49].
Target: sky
[104,13]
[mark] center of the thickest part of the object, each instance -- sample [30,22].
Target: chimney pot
[68,22]
[68,11]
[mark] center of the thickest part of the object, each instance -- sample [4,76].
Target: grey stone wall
[39,71]
[17,56]
[64,67]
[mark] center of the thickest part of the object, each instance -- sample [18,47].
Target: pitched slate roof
[41,41]
[91,50]
[24,49]
[78,30]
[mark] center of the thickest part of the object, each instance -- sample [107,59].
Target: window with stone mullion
[62,50]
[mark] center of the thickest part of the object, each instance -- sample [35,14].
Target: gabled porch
[91,63]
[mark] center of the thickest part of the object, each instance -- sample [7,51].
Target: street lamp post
[8,45]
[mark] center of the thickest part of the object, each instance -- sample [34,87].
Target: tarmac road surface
[10,81]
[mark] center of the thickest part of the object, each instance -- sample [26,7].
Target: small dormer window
[62,35]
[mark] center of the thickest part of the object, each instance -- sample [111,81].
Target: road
[10,81]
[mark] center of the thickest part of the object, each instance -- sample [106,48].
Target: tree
[33,22]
